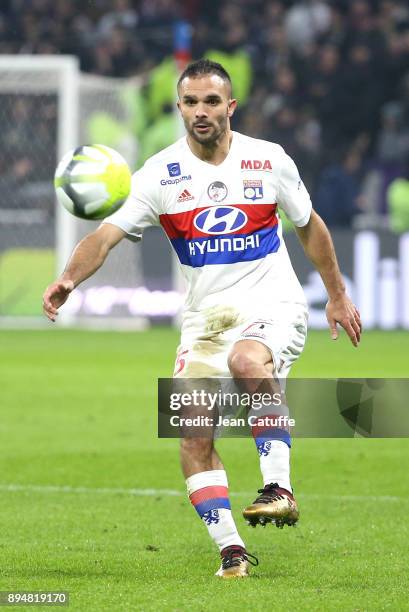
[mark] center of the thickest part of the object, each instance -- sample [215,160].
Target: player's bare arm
[89,255]
[318,246]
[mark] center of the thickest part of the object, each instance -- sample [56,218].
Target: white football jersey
[223,221]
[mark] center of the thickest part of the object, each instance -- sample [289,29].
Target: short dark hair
[202,67]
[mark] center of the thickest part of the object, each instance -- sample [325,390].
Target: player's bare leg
[198,455]
[252,362]
[207,487]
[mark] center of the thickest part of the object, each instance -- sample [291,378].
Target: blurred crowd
[329,79]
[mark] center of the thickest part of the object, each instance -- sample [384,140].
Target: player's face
[206,107]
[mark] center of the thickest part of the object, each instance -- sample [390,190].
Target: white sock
[208,492]
[275,463]
[273,441]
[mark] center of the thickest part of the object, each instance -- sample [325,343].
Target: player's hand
[55,296]
[343,312]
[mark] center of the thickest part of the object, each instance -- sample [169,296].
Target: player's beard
[218,128]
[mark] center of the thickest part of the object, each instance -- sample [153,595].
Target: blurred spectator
[393,138]
[307,155]
[338,194]
[123,16]
[253,123]
[161,134]
[121,52]
[398,201]
[283,129]
[363,29]
[396,60]
[284,92]
[336,31]
[305,21]
[273,12]
[323,88]
[276,50]
[26,158]
[159,13]
[359,94]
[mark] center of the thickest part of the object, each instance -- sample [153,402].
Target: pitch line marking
[175,493]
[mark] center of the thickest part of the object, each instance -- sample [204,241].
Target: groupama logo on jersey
[220,220]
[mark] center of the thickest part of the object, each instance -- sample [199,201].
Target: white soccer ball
[92,181]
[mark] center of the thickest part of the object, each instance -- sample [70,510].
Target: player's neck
[214,153]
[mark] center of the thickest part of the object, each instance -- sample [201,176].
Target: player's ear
[231,107]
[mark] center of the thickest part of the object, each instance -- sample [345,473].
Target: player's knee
[244,365]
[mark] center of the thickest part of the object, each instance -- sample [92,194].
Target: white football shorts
[207,338]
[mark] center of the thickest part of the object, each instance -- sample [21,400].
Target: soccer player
[216,193]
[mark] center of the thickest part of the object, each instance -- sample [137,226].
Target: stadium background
[91,500]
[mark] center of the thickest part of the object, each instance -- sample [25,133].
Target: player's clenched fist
[55,296]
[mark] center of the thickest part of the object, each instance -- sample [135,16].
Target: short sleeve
[292,196]
[140,210]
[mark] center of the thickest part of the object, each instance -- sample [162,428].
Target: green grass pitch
[79,450]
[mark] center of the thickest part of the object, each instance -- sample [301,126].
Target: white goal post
[88,109]
[63,73]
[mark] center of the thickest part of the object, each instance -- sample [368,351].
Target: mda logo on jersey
[253,190]
[174,169]
[218,220]
[256,164]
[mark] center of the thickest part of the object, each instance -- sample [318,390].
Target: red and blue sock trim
[210,498]
[266,433]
